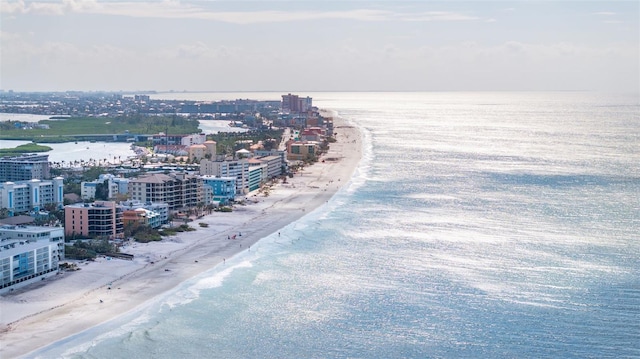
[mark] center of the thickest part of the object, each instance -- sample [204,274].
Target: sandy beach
[71,302]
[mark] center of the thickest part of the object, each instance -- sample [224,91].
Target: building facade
[32,195]
[295,104]
[141,216]
[29,254]
[298,151]
[183,140]
[275,166]
[257,176]
[178,190]
[24,167]
[115,185]
[161,209]
[236,169]
[98,219]
[223,189]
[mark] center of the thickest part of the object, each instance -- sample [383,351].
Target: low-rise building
[200,151]
[141,216]
[161,209]
[29,254]
[299,151]
[223,189]
[312,134]
[175,150]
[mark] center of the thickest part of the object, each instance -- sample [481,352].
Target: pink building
[98,219]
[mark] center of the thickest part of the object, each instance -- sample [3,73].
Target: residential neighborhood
[174,180]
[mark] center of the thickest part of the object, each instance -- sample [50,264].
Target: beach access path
[72,302]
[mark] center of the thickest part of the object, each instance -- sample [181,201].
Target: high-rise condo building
[24,167]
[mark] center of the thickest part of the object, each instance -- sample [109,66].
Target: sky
[99,45]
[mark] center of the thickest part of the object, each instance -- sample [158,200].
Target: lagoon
[81,151]
[71,151]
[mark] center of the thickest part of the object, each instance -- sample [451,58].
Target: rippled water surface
[477,225]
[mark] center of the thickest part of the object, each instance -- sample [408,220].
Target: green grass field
[104,126]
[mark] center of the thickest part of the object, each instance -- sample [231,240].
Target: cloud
[45,8]
[608,16]
[179,10]
[433,16]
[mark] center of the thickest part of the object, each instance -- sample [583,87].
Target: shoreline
[70,303]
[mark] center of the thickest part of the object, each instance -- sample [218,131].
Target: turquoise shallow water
[477,225]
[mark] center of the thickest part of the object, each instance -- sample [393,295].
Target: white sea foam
[124,325]
[209,280]
[503,231]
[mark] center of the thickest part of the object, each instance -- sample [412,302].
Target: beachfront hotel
[24,167]
[28,254]
[98,219]
[31,195]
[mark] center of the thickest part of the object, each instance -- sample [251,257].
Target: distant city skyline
[319,46]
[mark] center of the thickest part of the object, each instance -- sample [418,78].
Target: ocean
[477,225]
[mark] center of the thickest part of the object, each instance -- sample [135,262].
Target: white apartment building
[115,185]
[275,165]
[29,254]
[182,140]
[32,195]
[236,169]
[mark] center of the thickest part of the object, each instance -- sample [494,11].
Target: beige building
[178,190]
[201,151]
[298,151]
